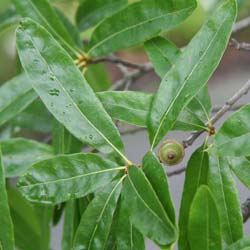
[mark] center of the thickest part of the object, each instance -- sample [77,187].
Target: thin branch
[239,45]
[226,107]
[176,172]
[233,108]
[242,24]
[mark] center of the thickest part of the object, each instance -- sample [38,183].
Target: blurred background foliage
[9,64]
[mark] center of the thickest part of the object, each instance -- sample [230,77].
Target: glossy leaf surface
[156,175]
[96,221]
[223,187]
[6,228]
[133,107]
[144,206]
[163,55]
[196,175]
[66,177]
[127,236]
[42,12]
[64,90]
[191,72]
[137,23]
[204,223]
[241,168]
[89,13]
[19,154]
[233,137]
[15,96]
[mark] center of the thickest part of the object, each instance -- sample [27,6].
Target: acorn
[171,152]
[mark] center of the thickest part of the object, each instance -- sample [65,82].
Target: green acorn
[171,152]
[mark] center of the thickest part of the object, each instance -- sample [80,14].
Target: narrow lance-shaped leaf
[127,236]
[243,244]
[15,95]
[8,18]
[6,228]
[66,177]
[25,221]
[196,175]
[71,221]
[191,71]
[19,154]
[137,23]
[163,55]
[223,187]
[156,175]
[146,211]
[96,221]
[133,107]
[64,90]
[204,224]
[89,13]
[241,168]
[42,12]
[232,139]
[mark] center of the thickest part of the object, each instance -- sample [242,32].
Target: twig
[176,172]
[134,75]
[244,23]
[239,45]
[245,209]
[233,108]
[226,107]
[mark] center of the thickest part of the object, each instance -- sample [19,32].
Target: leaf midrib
[135,26]
[71,178]
[75,105]
[184,83]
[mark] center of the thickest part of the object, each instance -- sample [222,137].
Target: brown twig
[226,107]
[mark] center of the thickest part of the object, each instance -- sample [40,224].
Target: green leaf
[96,221]
[146,211]
[71,222]
[66,177]
[19,154]
[191,71]
[156,175]
[137,23]
[133,107]
[64,90]
[89,13]
[127,236]
[8,19]
[241,168]
[97,77]
[196,175]
[204,224]
[162,53]
[15,96]
[6,228]
[43,13]
[34,118]
[243,244]
[71,28]
[223,187]
[233,136]
[27,228]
